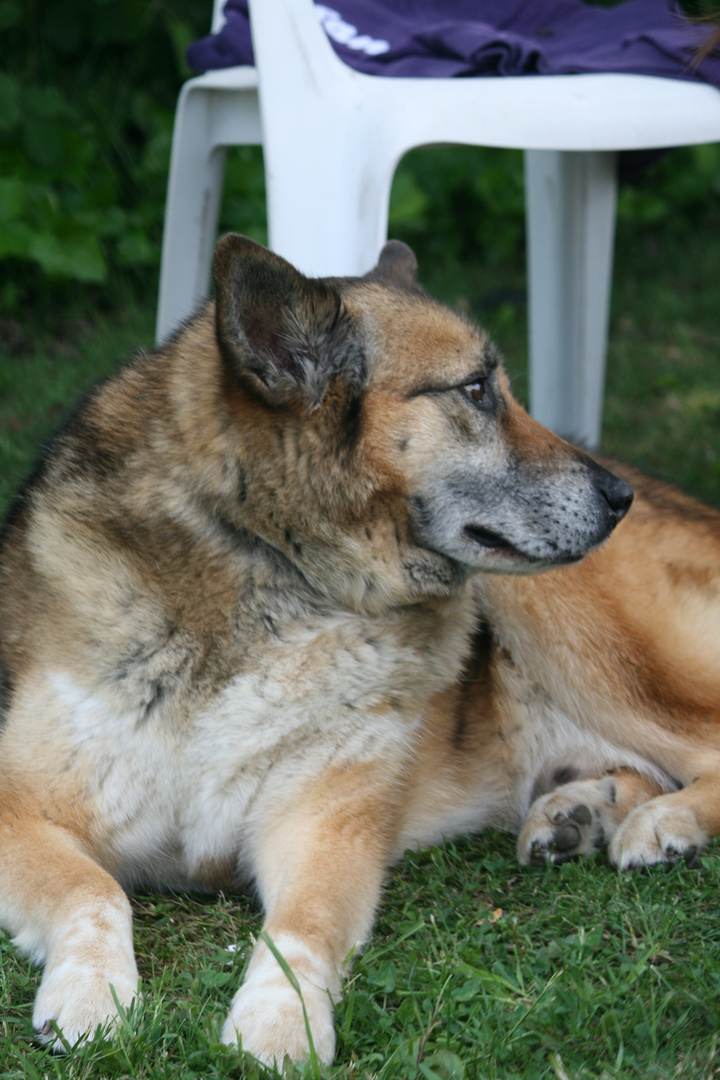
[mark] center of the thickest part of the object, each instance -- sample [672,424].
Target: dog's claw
[688,854]
[539,853]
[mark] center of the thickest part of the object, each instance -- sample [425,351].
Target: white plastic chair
[332,138]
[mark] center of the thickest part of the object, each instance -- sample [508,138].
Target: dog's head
[382,445]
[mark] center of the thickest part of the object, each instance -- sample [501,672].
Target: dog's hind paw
[660,831]
[575,819]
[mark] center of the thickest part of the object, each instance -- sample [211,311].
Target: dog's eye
[478,391]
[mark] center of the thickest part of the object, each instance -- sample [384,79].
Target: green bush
[467,203]
[87,96]
[86,107]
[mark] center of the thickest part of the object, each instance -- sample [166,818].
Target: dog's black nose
[617,494]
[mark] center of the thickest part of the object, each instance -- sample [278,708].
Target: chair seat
[555,112]
[227,79]
[542,112]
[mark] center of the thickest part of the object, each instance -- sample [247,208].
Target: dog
[306,586]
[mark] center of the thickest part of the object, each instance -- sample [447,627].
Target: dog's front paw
[660,831]
[267,1012]
[573,820]
[90,972]
[75,999]
[271,1024]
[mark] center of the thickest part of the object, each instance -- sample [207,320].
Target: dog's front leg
[65,910]
[320,866]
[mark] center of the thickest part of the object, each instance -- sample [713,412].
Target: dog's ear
[284,335]
[397,265]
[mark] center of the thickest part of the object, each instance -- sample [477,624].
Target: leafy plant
[86,106]
[87,97]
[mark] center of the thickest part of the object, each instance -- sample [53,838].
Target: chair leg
[570,200]
[197,169]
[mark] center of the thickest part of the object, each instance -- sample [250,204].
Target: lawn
[477,968]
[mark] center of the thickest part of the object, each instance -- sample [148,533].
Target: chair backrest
[218,19]
[289,41]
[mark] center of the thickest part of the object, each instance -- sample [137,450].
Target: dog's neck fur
[353,546]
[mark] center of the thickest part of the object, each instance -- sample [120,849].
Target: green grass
[477,968]
[44,368]
[663,395]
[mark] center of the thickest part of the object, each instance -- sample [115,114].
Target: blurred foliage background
[87,95]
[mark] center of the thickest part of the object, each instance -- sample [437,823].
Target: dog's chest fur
[176,779]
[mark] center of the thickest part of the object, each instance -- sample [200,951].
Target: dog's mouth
[488,539]
[494,542]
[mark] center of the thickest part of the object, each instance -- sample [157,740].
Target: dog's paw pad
[565,824]
[581,815]
[564,842]
[566,839]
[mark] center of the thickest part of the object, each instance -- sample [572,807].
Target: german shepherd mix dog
[270,613]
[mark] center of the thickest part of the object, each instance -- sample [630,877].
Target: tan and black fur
[272,609]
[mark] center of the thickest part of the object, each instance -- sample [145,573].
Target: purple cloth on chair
[441,38]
